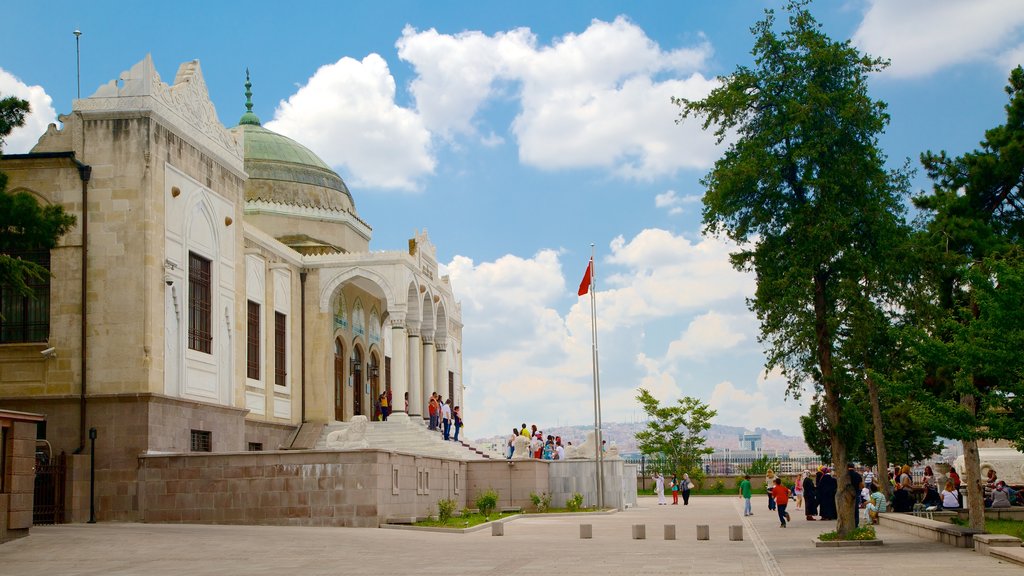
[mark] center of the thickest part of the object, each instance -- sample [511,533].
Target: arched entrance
[357,381]
[339,380]
[373,371]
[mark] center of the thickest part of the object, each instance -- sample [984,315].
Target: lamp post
[78,58]
[92,475]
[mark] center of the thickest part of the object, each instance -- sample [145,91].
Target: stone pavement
[533,546]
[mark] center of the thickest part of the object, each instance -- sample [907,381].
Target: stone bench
[936,530]
[985,542]
[1015,555]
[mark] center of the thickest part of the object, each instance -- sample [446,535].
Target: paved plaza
[533,546]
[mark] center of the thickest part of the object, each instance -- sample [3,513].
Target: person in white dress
[659,488]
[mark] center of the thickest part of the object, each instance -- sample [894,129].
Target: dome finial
[249,117]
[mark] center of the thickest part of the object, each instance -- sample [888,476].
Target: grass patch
[862,533]
[465,520]
[560,510]
[1008,527]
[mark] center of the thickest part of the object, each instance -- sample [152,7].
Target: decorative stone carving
[612,453]
[522,448]
[584,450]
[187,102]
[1006,461]
[351,438]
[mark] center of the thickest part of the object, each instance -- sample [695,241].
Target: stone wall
[515,480]
[359,488]
[18,469]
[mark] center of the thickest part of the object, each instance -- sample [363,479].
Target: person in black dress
[827,487]
[810,497]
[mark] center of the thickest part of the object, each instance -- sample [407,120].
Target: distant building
[750,442]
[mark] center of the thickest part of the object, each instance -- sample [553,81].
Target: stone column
[415,371]
[427,339]
[399,370]
[441,379]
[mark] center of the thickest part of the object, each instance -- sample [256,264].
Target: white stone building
[217,292]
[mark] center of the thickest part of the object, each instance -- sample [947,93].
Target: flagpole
[599,456]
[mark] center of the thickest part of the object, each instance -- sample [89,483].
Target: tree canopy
[803,190]
[674,436]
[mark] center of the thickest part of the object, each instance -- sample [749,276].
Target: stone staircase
[401,433]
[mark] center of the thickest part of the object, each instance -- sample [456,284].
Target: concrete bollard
[736,532]
[703,532]
[639,531]
[586,531]
[498,529]
[670,531]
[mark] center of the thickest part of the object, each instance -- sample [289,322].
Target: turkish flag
[585,284]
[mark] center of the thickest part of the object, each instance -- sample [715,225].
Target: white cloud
[674,202]
[598,99]
[762,406]
[923,36]
[707,335]
[347,114]
[42,114]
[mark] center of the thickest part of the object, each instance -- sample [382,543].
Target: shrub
[445,509]
[718,486]
[540,502]
[574,503]
[487,502]
[862,533]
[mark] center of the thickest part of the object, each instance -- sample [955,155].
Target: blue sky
[518,134]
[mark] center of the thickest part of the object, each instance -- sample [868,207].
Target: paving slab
[531,546]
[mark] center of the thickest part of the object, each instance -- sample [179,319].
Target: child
[780,494]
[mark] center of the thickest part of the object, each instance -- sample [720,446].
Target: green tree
[675,434]
[803,190]
[967,311]
[24,225]
[762,465]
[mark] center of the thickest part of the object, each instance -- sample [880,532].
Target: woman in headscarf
[810,497]
[827,495]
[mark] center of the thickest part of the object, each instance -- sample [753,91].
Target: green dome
[271,156]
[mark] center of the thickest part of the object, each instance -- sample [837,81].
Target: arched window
[374,326]
[358,319]
[340,313]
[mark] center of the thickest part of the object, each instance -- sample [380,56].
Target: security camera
[49,352]
[168,280]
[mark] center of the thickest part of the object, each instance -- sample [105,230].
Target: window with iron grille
[202,441]
[27,318]
[255,446]
[200,329]
[252,341]
[280,349]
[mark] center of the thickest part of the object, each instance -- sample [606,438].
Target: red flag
[585,284]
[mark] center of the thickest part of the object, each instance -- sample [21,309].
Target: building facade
[217,293]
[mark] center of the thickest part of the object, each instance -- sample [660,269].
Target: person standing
[686,487]
[659,488]
[745,494]
[674,486]
[458,422]
[446,418]
[827,487]
[810,497]
[855,485]
[432,411]
[384,406]
[769,485]
[780,494]
[798,491]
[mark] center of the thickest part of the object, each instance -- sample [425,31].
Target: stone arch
[441,324]
[369,280]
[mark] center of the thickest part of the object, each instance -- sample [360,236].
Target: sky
[521,134]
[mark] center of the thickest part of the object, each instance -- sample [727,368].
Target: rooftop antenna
[78,57]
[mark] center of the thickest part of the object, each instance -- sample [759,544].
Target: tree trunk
[882,477]
[972,472]
[845,507]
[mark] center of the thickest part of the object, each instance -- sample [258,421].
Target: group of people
[541,448]
[675,485]
[444,417]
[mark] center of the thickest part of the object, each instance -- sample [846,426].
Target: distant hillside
[623,434]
